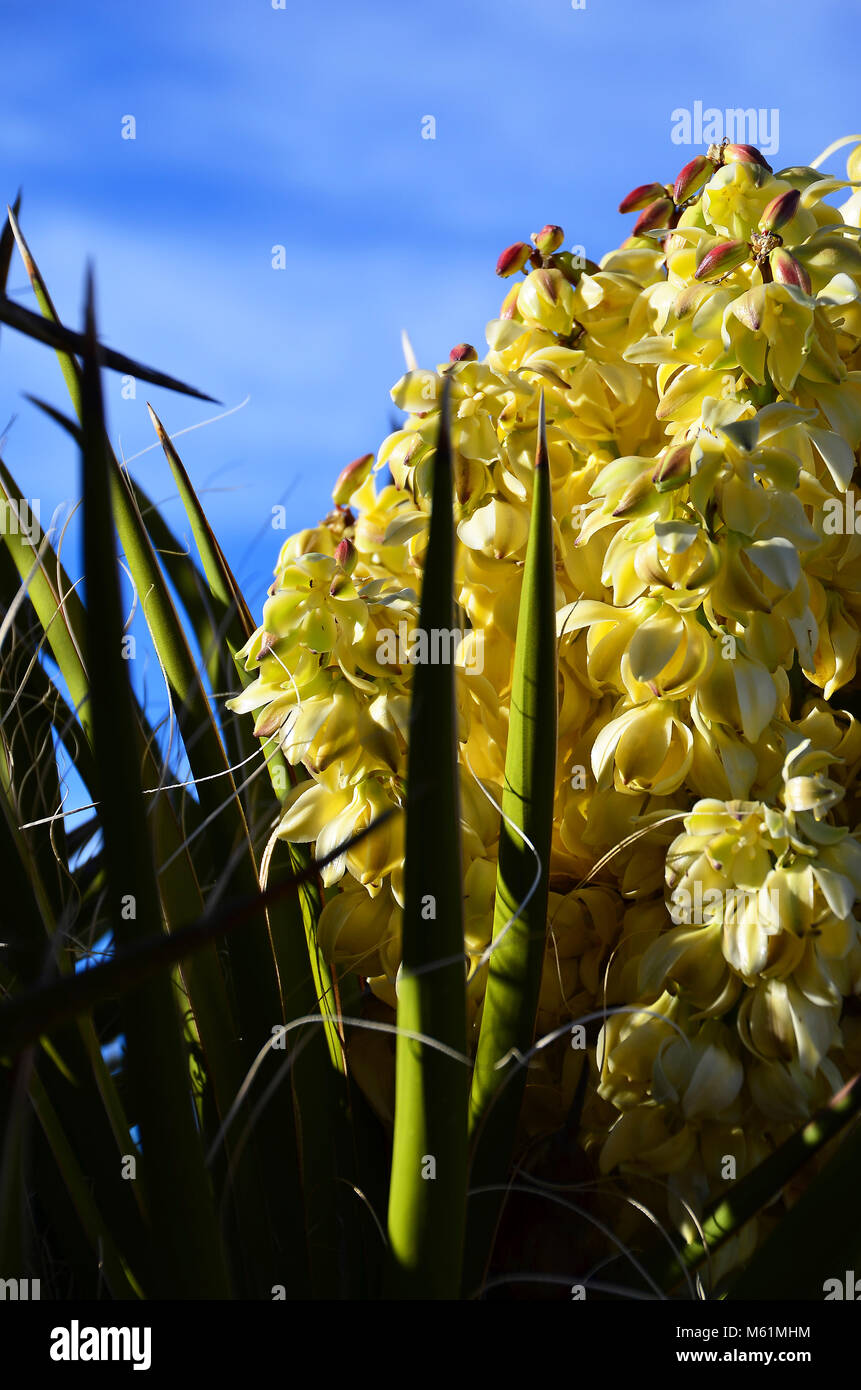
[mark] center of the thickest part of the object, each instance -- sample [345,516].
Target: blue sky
[302,127]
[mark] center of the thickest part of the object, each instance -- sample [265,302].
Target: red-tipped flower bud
[350,479]
[548,240]
[726,256]
[744,154]
[786,270]
[464,352]
[657,214]
[346,555]
[674,468]
[513,258]
[692,177]
[780,210]
[641,196]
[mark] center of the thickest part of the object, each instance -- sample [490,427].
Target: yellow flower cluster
[703,399]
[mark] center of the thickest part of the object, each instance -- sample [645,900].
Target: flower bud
[692,177]
[513,258]
[657,214]
[335,522]
[548,240]
[350,479]
[726,256]
[570,265]
[674,468]
[642,196]
[346,555]
[464,352]
[786,270]
[780,210]
[744,154]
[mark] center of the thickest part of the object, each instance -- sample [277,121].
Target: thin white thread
[283,1029]
[23,589]
[163,787]
[521,907]
[835,145]
[188,428]
[523,1058]
[579,1211]
[567,1279]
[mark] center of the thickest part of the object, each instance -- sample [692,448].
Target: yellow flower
[778,1022]
[361,931]
[645,748]
[330,814]
[736,196]
[703,410]
[646,1139]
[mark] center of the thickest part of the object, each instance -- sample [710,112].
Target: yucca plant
[205,974]
[376,1071]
